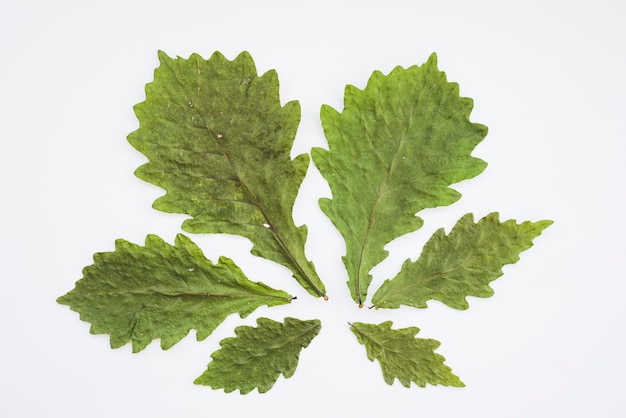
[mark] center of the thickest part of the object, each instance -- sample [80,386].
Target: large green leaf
[256,357]
[218,141]
[460,264]
[137,294]
[394,150]
[403,356]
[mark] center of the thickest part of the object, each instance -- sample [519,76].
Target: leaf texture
[402,356]
[137,294]
[394,150]
[256,357]
[460,264]
[218,141]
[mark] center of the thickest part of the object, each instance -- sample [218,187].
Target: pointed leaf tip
[432,59]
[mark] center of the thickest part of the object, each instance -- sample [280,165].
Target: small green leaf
[256,357]
[218,141]
[460,264]
[403,356]
[137,294]
[394,150]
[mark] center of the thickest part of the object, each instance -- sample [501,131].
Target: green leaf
[404,357]
[256,357]
[137,294]
[218,141]
[460,264]
[393,151]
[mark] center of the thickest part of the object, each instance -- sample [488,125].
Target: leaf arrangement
[218,142]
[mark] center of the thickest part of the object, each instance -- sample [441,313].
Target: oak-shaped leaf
[140,293]
[256,357]
[402,356]
[460,264]
[219,141]
[394,150]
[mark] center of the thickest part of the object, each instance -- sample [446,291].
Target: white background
[547,78]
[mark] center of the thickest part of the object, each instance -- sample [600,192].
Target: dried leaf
[218,141]
[460,264]
[137,294]
[256,357]
[402,356]
[394,150]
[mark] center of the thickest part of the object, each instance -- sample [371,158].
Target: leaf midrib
[177,293]
[373,214]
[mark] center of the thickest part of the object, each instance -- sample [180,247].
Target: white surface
[547,78]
